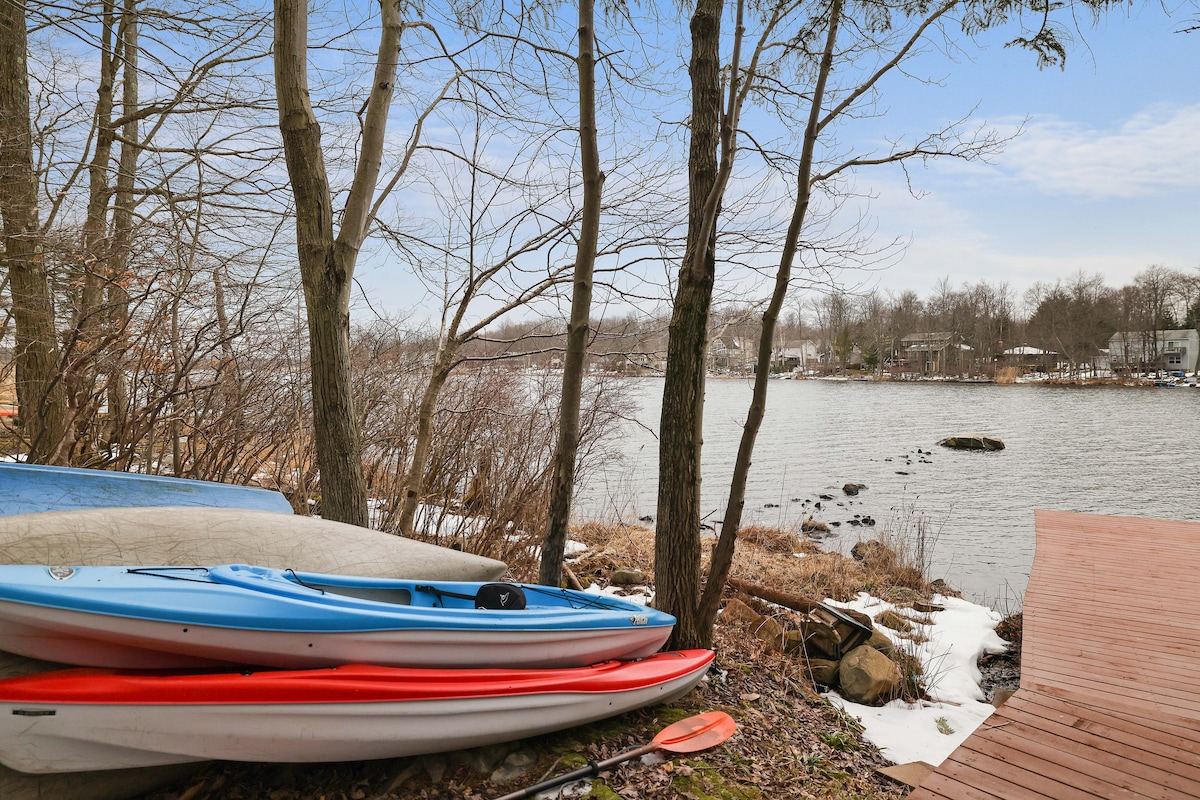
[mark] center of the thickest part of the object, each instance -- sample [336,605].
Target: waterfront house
[938,353]
[800,355]
[1148,351]
[1029,359]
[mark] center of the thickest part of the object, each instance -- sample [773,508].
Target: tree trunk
[415,480]
[88,324]
[722,556]
[41,399]
[677,538]
[117,269]
[327,263]
[578,329]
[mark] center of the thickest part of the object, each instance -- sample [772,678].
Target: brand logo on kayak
[61,573]
[504,598]
[638,619]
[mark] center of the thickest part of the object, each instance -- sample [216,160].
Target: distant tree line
[834,330]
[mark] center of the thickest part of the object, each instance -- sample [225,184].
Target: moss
[709,784]
[601,792]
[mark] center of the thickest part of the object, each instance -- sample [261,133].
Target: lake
[1106,450]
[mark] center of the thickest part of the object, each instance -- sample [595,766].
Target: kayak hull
[71,637]
[154,536]
[170,617]
[34,488]
[78,720]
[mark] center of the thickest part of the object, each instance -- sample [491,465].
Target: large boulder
[174,536]
[868,676]
[972,443]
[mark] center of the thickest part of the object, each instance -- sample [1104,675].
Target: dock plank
[1109,702]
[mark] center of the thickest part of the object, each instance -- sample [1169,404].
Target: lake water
[1106,450]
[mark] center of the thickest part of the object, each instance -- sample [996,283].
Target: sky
[1103,178]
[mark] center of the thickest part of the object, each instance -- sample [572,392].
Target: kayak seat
[493,596]
[501,596]
[397,597]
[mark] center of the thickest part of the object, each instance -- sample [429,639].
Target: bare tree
[327,260]
[578,329]
[41,396]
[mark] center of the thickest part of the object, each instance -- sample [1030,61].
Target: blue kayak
[33,488]
[196,616]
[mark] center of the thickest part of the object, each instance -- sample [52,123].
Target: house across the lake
[1137,351]
[939,353]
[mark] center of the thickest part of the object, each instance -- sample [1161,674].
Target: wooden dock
[1109,702]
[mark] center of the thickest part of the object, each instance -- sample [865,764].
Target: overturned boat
[34,488]
[183,536]
[163,617]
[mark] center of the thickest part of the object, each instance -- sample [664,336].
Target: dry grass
[1007,375]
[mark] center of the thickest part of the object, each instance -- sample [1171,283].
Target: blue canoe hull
[32,488]
[201,616]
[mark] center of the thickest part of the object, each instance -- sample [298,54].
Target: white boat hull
[104,736]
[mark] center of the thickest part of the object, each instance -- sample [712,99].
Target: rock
[853,488]
[867,676]
[482,759]
[627,577]
[646,518]
[944,589]
[809,525]
[516,765]
[890,619]
[881,642]
[822,671]
[736,611]
[927,608]
[972,443]
[770,632]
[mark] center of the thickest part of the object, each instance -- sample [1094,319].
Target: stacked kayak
[166,617]
[88,719]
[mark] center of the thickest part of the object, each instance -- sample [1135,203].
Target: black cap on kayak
[502,596]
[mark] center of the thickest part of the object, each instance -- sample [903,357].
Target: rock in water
[972,443]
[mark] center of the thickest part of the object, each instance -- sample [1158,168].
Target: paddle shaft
[592,769]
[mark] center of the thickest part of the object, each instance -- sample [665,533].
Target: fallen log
[825,632]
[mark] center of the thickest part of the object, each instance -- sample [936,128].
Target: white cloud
[1156,150]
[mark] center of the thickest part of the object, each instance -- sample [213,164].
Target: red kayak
[92,719]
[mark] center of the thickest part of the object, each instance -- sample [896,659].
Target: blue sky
[1105,177]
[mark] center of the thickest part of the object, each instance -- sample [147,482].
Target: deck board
[1109,702]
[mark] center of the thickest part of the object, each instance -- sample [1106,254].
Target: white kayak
[86,719]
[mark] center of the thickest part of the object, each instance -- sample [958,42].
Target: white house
[1173,351]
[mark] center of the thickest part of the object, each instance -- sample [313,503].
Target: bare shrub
[486,482]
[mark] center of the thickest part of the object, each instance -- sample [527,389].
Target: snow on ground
[642,595]
[930,731]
